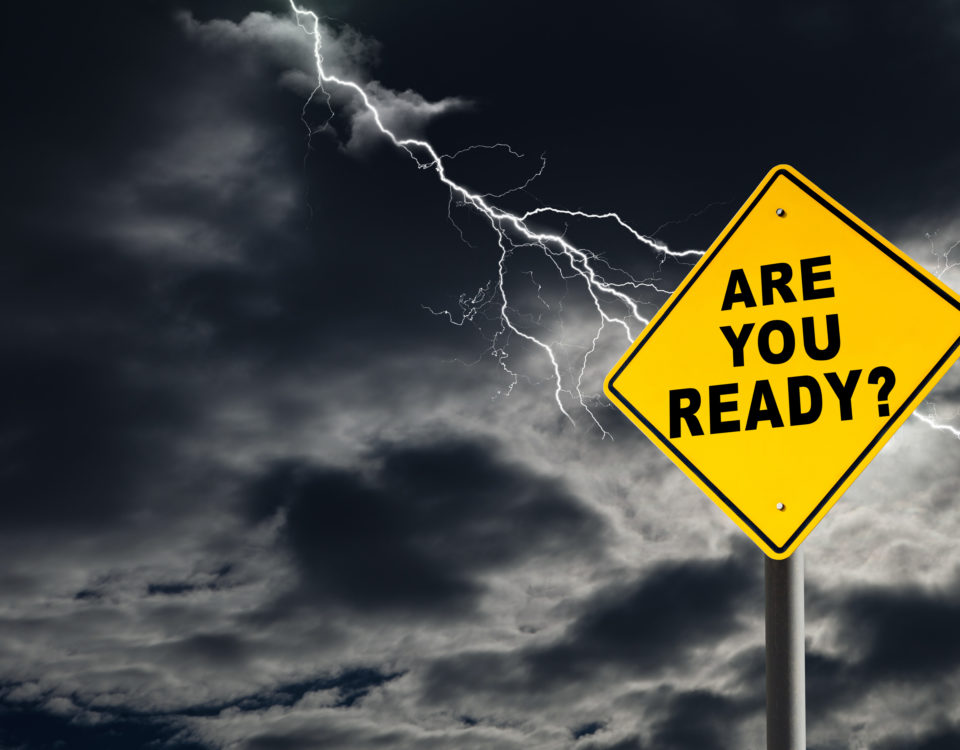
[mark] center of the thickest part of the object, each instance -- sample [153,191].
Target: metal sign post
[786,685]
[775,373]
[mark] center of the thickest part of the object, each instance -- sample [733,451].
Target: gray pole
[786,688]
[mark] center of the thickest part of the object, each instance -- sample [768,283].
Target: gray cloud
[413,531]
[701,719]
[346,54]
[627,743]
[652,625]
[939,739]
[907,633]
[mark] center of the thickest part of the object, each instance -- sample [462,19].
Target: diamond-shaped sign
[785,360]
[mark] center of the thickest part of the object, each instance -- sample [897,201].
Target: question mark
[884,374]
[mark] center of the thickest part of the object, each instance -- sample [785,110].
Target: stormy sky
[275,476]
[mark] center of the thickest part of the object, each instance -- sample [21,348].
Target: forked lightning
[613,303]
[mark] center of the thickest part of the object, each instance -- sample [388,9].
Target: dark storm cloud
[104,360]
[944,738]
[831,684]
[627,743]
[320,736]
[654,622]
[585,730]
[949,394]
[887,637]
[81,426]
[30,727]
[43,724]
[171,589]
[208,582]
[299,740]
[177,254]
[643,628]
[215,648]
[702,720]
[206,204]
[414,530]
[826,86]
[351,686]
[907,633]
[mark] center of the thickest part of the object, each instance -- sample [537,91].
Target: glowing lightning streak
[944,264]
[581,262]
[937,425]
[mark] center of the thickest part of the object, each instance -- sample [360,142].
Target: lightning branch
[611,290]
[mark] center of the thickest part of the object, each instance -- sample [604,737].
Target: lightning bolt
[937,425]
[944,264]
[612,299]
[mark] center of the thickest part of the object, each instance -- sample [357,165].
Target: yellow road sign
[786,359]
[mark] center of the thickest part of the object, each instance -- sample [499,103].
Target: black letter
[797,415]
[768,283]
[737,342]
[763,341]
[738,290]
[809,277]
[763,406]
[718,407]
[833,338]
[844,391]
[688,412]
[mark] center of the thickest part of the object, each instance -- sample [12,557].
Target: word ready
[786,359]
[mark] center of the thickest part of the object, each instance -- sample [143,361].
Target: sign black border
[883,430]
